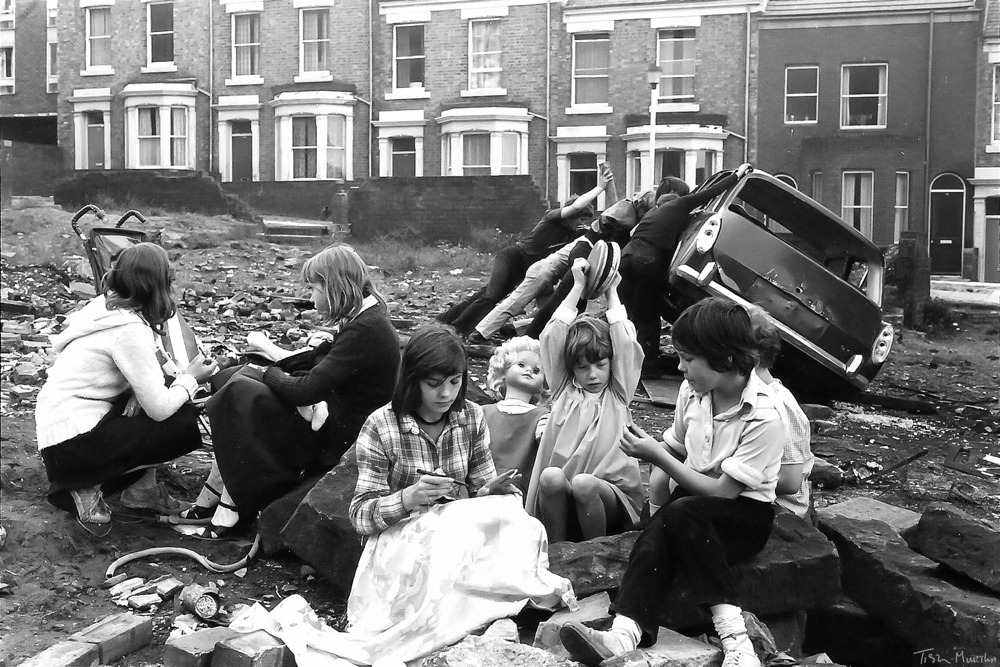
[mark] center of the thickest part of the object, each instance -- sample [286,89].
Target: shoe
[192,516]
[154,498]
[476,338]
[739,651]
[90,505]
[589,646]
[213,533]
[508,331]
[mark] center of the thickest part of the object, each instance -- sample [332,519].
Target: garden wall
[312,200]
[30,169]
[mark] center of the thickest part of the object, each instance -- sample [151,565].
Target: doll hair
[140,280]
[503,358]
[434,349]
[719,331]
[766,335]
[345,279]
[588,337]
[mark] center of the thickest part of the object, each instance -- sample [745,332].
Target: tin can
[200,601]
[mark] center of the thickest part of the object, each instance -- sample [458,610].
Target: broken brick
[65,654]
[253,649]
[195,650]
[117,636]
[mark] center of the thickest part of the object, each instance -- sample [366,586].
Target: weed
[939,318]
[490,240]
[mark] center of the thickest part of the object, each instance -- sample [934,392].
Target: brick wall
[31,169]
[173,191]
[316,200]
[984,88]
[443,208]
[30,96]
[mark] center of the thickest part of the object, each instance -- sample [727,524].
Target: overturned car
[820,280]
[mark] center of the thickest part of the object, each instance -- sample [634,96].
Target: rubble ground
[229,282]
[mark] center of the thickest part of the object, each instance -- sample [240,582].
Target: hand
[604,177]
[202,368]
[426,491]
[317,338]
[638,444]
[503,484]
[132,408]
[579,270]
[258,340]
[744,169]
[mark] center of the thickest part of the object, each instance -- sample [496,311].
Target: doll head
[516,365]
[340,281]
[433,372]
[140,280]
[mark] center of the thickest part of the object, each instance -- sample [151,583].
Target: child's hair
[766,335]
[345,278]
[585,213]
[719,331]
[140,280]
[434,349]
[671,184]
[503,358]
[588,337]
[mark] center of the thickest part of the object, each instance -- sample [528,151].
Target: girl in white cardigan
[105,416]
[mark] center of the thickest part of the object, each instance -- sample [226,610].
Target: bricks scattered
[117,636]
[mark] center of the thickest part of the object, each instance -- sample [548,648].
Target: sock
[728,621]
[207,498]
[653,509]
[224,516]
[629,630]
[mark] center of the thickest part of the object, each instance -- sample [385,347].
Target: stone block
[65,654]
[117,636]
[905,592]
[195,650]
[798,569]
[275,516]
[253,649]
[492,652]
[672,649]
[593,608]
[825,475]
[960,542]
[320,531]
[788,631]
[901,519]
[849,634]
[816,411]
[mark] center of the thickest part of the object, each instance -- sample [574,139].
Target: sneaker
[508,331]
[739,651]
[591,647]
[153,498]
[476,338]
[90,505]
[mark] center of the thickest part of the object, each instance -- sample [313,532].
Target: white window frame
[8,14]
[51,54]
[589,107]
[393,153]
[847,208]
[305,75]
[494,121]
[901,206]
[815,95]
[391,125]
[164,97]
[237,108]
[473,89]
[572,140]
[159,65]
[411,91]
[90,68]
[816,186]
[660,41]
[90,100]
[995,109]
[883,97]
[7,63]
[320,105]
[237,79]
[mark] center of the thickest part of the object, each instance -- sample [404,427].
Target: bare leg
[554,494]
[596,505]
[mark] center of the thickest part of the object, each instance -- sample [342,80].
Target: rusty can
[200,601]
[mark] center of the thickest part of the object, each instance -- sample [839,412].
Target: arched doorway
[947,224]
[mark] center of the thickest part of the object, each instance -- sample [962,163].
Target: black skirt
[109,453]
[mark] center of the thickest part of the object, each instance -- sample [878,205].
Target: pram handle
[130,214]
[82,212]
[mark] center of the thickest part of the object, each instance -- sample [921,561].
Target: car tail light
[880,350]
[708,234]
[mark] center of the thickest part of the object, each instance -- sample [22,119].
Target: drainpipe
[548,93]
[371,87]
[927,130]
[746,96]
[211,86]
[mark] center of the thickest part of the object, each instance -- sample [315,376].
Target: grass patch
[394,257]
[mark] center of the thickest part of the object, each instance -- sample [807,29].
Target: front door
[242,151]
[947,224]
[95,140]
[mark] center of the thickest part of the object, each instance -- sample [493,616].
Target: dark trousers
[549,306]
[699,536]
[108,453]
[641,294]
[509,267]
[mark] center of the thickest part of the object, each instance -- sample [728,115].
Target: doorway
[947,224]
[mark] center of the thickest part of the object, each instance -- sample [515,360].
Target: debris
[252,649]
[65,654]
[896,466]
[896,403]
[144,602]
[960,458]
[195,649]
[203,602]
[126,586]
[117,636]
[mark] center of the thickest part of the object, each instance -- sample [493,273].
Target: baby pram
[180,345]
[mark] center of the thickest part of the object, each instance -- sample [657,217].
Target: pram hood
[92,318]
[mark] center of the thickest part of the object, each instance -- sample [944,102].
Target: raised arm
[586,199]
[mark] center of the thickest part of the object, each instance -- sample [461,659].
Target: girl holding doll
[723,454]
[581,478]
[295,419]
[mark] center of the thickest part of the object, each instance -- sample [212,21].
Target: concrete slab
[672,649]
[901,519]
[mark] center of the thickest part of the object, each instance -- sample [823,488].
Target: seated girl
[263,446]
[433,570]
[581,478]
[723,452]
[517,422]
[104,418]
